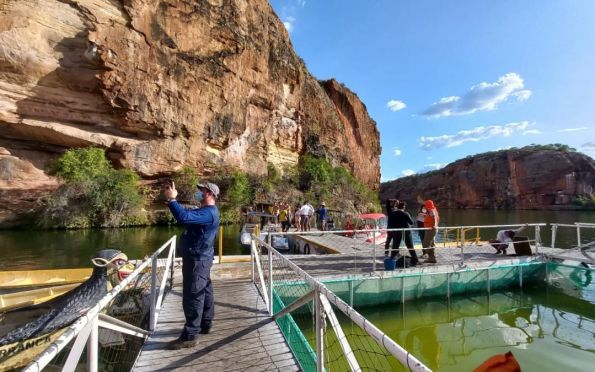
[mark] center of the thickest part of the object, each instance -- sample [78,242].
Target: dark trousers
[408,243]
[421,233]
[197,296]
[390,236]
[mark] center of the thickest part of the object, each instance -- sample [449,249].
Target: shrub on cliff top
[93,194]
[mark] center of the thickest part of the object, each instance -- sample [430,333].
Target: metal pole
[220,244]
[374,250]
[489,284]
[93,346]
[319,331]
[462,247]
[537,239]
[554,230]
[578,235]
[520,276]
[173,262]
[448,285]
[153,293]
[270,281]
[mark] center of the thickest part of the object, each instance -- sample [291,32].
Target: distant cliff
[533,177]
[208,84]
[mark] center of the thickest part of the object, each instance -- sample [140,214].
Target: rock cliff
[164,84]
[526,178]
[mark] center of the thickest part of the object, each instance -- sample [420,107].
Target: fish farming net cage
[294,306]
[118,351]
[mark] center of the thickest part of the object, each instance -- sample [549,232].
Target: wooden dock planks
[243,337]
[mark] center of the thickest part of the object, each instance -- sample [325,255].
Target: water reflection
[545,329]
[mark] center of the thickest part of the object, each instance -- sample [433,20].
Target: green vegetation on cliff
[93,193]
[315,181]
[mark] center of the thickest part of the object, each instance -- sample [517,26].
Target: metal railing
[364,247]
[576,252]
[152,275]
[291,294]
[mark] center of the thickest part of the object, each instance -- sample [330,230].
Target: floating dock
[243,338]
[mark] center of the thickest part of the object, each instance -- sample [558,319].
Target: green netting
[363,291]
[372,291]
[298,344]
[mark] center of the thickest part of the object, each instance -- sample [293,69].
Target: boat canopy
[372,216]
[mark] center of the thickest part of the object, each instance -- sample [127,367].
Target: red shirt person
[431,221]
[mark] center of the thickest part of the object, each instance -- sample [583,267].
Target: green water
[546,329]
[34,249]
[39,249]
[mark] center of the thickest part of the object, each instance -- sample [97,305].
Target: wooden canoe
[40,278]
[17,300]
[19,354]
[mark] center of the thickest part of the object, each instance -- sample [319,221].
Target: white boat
[265,223]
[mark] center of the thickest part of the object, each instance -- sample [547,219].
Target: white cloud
[395,105]
[408,172]
[433,166]
[301,3]
[397,151]
[522,95]
[503,148]
[472,135]
[571,129]
[481,97]
[531,131]
[289,23]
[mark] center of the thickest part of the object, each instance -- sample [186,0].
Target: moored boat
[40,278]
[17,300]
[20,345]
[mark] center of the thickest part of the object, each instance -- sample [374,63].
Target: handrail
[272,233]
[380,337]
[83,326]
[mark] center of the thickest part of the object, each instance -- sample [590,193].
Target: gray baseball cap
[211,187]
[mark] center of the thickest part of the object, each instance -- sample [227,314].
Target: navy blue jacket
[202,225]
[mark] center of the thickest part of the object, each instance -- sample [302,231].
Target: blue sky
[447,79]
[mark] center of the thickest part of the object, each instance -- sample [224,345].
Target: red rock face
[514,179]
[207,84]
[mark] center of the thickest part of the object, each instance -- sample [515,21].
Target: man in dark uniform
[196,247]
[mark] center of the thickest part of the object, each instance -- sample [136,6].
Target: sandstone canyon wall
[208,84]
[526,178]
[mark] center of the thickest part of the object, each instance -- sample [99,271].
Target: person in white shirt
[306,212]
[504,238]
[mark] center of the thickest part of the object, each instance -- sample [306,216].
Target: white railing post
[578,235]
[153,297]
[463,247]
[93,346]
[270,281]
[554,230]
[252,260]
[537,239]
[318,311]
[173,263]
[374,249]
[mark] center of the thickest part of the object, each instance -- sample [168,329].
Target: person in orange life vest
[431,221]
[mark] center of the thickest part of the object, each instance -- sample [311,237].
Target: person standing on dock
[403,220]
[431,221]
[322,213]
[421,217]
[196,246]
[390,234]
[306,212]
